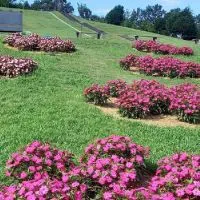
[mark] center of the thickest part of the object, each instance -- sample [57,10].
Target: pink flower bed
[110,168]
[153,46]
[12,67]
[163,66]
[185,102]
[144,98]
[34,42]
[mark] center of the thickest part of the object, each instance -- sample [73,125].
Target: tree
[67,7]
[116,15]
[26,5]
[153,13]
[84,11]
[181,22]
[7,3]
[36,5]
[197,19]
[160,26]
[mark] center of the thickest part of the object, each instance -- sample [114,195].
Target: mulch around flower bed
[157,120]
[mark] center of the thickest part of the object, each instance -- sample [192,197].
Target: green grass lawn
[48,105]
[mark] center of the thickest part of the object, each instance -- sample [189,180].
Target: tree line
[177,22]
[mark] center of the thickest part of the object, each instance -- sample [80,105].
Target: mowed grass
[48,105]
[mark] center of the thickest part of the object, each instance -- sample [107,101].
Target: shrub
[153,46]
[116,87]
[38,159]
[128,61]
[185,102]
[34,42]
[143,98]
[115,165]
[177,177]
[13,67]
[97,94]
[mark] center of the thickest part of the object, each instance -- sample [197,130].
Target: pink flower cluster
[116,86]
[41,158]
[34,42]
[110,168]
[128,61]
[97,94]
[177,177]
[163,66]
[148,97]
[185,102]
[43,173]
[168,66]
[13,67]
[153,46]
[143,98]
[115,165]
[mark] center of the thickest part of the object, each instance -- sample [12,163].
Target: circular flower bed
[145,98]
[163,66]
[12,67]
[153,46]
[110,168]
[34,42]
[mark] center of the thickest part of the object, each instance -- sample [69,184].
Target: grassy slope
[48,105]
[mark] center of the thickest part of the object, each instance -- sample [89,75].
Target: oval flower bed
[146,98]
[110,168]
[12,67]
[163,66]
[34,42]
[153,46]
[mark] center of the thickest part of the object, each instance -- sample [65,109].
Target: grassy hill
[48,105]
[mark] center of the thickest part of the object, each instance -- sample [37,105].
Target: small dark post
[155,38]
[196,41]
[77,34]
[136,37]
[98,35]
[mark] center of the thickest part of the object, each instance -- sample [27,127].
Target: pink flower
[23,175]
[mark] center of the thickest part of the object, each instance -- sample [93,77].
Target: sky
[102,7]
